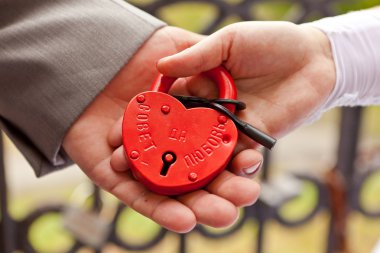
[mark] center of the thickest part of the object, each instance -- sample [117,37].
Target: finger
[114,137]
[180,87]
[184,39]
[210,209]
[238,190]
[166,211]
[246,163]
[118,160]
[205,55]
[201,86]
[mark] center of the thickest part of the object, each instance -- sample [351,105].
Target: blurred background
[321,184]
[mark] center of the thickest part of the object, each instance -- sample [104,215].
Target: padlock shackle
[220,75]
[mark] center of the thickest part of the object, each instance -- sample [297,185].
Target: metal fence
[338,192]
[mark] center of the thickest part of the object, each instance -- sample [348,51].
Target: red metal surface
[219,74]
[171,149]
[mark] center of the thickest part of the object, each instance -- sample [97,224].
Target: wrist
[354,41]
[322,53]
[322,43]
[321,62]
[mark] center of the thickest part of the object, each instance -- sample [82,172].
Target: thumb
[205,55]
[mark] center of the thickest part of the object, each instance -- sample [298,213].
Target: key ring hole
[168,158]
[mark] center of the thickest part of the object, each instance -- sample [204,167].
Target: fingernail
[253,169]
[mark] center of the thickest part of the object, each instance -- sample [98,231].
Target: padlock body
[201,139]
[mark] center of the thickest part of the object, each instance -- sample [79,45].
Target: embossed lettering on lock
[172,149]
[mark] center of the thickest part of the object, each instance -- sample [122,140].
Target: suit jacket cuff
[55,58]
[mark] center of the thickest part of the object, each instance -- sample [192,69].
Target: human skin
[95,138]
[283,72]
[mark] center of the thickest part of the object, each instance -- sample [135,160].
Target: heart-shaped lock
[172,149]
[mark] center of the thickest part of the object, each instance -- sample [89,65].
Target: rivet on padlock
[172,149]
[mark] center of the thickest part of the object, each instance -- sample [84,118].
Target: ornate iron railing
[338,193]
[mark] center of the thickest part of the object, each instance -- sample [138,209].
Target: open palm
[95,138]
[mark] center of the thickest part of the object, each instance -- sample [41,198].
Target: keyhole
[168,158]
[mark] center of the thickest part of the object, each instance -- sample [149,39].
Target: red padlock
[172,149]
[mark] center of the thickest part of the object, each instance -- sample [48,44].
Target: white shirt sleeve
[355,42]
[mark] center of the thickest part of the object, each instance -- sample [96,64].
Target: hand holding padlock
[174,150]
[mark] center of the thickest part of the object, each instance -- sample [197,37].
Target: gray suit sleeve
[55,57]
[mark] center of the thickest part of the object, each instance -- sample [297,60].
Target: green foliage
[134,228]
[345,6]
[275,10]
[302,204]
[48,236]
[190,16]
[371,122]
[369,195]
